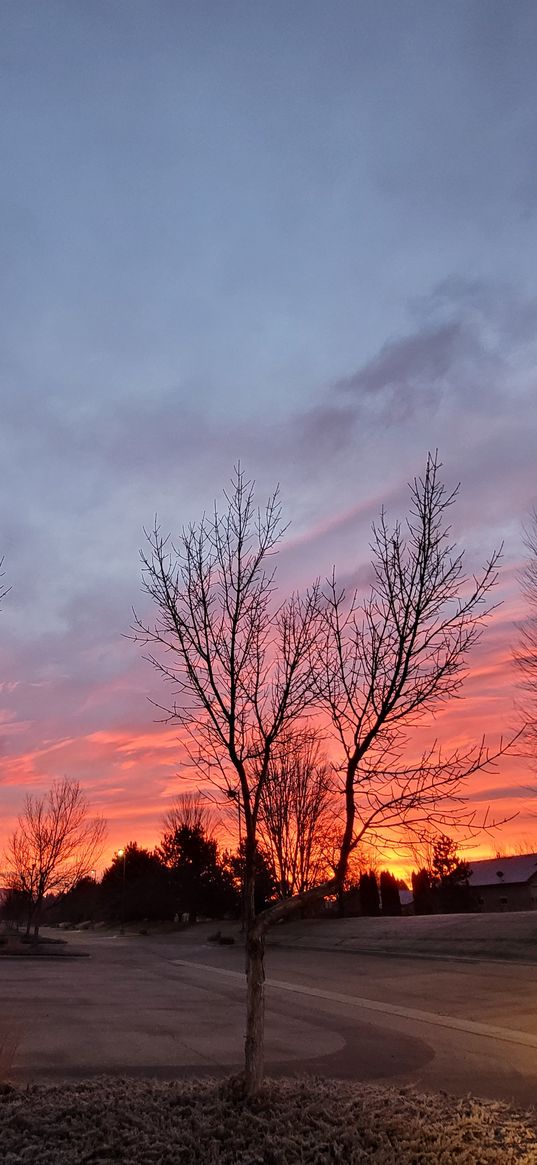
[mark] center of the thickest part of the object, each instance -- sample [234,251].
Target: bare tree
[421,849]
[244,670]
[526,652]
[240,666]
[363,857]
[297,812]
[55,845]
[392,659]
[188,811]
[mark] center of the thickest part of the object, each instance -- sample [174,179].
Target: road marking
[468,1026]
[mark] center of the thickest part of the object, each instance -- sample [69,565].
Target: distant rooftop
[503,871]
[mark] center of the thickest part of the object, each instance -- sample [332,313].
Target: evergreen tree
[369,894]
[389,894]
[266,883]
[14,906]
[422,890]
[134,886]
[79,904]
[199,882]
[450,874]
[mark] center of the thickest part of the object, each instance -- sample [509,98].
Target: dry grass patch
[294,1122]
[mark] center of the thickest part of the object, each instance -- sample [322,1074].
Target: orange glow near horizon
[130,774]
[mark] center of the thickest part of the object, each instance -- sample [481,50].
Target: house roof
[503,871]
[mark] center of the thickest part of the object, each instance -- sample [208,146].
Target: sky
[301,235]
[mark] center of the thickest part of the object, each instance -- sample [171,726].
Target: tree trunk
[29,918]
[256,930]
[255,980]
[37,918]
[255,1013]
[255,973]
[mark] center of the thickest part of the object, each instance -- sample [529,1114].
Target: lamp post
[121,854]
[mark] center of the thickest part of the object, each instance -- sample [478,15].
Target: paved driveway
[163,1006]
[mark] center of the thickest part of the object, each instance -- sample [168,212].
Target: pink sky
[130,767]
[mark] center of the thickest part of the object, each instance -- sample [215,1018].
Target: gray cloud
[467,343]
[272,235]
[504,793]
[409,366]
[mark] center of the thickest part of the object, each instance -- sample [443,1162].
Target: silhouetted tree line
[185,877]
[441,887]
[372,896]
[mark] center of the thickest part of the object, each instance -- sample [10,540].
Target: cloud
[304,280]
[525,793]
[471,343]
[412,370]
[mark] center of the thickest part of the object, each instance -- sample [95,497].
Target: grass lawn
[305,1120]
[22,946]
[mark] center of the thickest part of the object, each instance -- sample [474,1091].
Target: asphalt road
[174,1005]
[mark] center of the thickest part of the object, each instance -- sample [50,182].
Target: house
[406,898]
[504,883]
